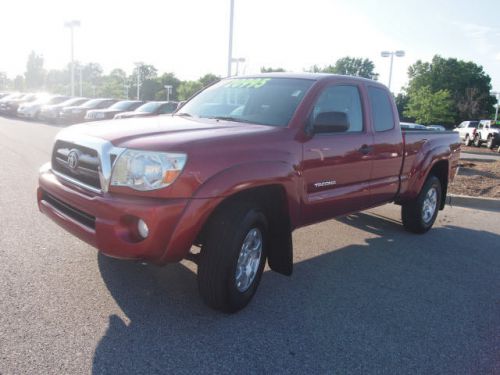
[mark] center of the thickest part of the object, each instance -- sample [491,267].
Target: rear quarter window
[381,108]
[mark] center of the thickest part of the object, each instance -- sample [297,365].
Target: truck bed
[422,146]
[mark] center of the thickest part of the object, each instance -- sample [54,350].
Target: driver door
[337,166]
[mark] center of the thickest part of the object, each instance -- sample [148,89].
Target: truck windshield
[265,101]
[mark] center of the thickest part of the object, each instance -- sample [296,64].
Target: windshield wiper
[230,118]
[183,114]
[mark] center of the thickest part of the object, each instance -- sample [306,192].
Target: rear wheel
[477,141]
[419,215]
[233,256]
[467,140]
[489,143]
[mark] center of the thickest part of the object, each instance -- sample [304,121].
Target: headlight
[100,115]
[145,170]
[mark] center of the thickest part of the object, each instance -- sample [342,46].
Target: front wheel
[419,215]
[232,257]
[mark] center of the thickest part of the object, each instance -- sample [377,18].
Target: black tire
[467,140]
[477,141]
[219,255]
[412,212]
[489,143]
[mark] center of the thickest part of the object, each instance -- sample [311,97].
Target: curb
[479,203]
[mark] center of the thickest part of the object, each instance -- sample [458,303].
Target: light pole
[80,68]
[230,50]
[238,61]
[138,71]
[126,86]
[168,90]
[71,25]
[391,55]
[497,95]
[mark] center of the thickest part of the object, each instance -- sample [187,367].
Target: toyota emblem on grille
[73,158]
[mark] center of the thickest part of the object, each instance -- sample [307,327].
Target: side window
[344,99]
[383,117]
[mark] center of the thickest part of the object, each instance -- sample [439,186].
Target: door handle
[365,149]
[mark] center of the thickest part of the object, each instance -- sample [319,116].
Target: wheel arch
[272,199]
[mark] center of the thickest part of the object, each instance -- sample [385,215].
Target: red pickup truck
[226,179]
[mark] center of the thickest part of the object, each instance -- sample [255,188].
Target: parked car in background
[440,128]
[488,131]
[109,113]
[74,114]
[467,131]
[7,98]
[3,94]
[51,112]
[411,126]
[150,109]
[32,110]
[10,107]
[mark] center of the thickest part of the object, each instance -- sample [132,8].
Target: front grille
[74,213]
[77,162]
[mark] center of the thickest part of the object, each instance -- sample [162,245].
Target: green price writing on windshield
[248,82]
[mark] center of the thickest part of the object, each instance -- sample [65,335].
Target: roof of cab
[305,75]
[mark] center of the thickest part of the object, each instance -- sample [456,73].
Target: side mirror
[331,122]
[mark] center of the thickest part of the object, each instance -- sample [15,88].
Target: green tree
[92,73]
[350,66]
[263,69]
[111,86]
[171,80]
[19,84]
[119,73]
[467,83]
[209,79]
[401,103]
[57,81]
[35,73]
[150,88]
[114,84]
[187,89]
[4,81]
[148,73]
[428,108]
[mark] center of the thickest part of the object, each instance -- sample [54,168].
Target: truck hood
[165,133]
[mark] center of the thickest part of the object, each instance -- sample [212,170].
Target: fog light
[143,229]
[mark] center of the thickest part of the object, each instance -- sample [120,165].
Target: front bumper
[109,222]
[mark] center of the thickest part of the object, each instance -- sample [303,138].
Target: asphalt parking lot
[365,296]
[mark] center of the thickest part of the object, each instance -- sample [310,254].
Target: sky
[190,37]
